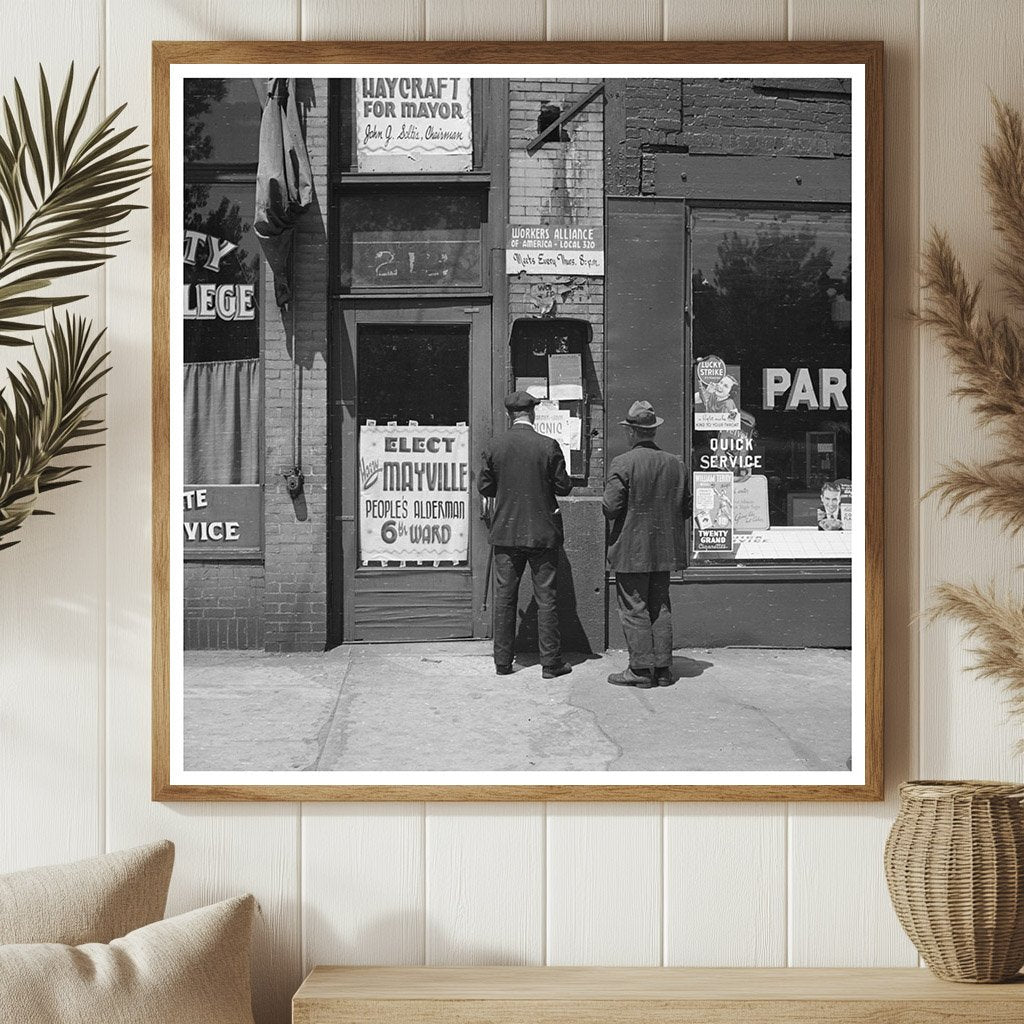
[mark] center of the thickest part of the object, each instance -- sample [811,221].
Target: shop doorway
[414,414]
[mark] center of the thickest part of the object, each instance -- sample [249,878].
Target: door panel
[412,604]
[413,379]
[428,364]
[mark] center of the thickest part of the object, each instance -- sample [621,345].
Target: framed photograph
[517,421]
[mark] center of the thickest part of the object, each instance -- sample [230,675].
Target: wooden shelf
[647,995]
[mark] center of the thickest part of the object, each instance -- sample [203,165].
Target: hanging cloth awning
[284,182]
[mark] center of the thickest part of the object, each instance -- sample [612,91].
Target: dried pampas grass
[987,355]
[997,632]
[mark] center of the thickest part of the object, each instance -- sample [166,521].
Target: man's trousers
[509,565]
[646,615]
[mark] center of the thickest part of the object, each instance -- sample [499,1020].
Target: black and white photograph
[520,426]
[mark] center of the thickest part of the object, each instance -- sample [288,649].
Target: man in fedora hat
[523,471]
[643,502]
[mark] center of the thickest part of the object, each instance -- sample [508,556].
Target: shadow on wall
[401,939]
[574,634]
[580,582]
[305,336]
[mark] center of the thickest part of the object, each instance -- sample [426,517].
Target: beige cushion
[93,900]
[191,969]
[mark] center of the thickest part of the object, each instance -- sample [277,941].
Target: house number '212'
[388,265]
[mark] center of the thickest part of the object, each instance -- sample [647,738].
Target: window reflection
[222,119]
[220,273]
[772,327]
[426,238]
[416,374]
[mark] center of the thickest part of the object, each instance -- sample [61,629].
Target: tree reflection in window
[200,95]
[222,120]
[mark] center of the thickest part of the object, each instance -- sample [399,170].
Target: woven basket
[954,861]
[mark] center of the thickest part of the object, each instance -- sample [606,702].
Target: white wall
[517,883]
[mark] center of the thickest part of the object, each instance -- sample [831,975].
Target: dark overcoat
[644,502]
[523,471]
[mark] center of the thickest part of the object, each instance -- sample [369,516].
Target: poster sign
[716,401]
[565,377]
[411,124]
[750,504]
[222,520]
[713,518]
[414,494]
[557,247]
[560,424]
[835,510]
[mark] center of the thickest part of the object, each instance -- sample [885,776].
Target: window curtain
[222,422]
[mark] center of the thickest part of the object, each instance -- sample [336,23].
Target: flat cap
[520,400]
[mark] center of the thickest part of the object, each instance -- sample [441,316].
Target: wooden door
[415,412]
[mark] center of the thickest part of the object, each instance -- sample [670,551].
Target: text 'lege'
[219,301]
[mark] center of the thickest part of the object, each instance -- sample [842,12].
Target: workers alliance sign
[410,124]
[414,494]
[554,247]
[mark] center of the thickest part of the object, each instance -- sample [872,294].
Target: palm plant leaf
[46,419]
[62,191]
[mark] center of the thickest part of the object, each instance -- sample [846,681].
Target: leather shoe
[663,676]
[561,668]
[503,670]
[642,680]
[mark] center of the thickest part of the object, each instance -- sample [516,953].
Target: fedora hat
[641,414]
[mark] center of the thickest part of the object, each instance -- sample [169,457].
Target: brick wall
[224,605]
[295,605]
[562,181]
[756,117]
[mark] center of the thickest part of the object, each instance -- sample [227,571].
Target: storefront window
[425,238]
[221,274]
[222,344]
[771,343]
[222,118]
[222,387]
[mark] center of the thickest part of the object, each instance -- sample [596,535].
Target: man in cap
[523,471]
[643,502]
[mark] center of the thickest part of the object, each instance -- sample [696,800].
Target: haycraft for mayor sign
[414,124]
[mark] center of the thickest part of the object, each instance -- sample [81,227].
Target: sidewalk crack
[812,760]
[324,732]
[619,750]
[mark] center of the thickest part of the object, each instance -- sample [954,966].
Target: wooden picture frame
[667,163]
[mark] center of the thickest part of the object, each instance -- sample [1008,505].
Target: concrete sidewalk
[439,706]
